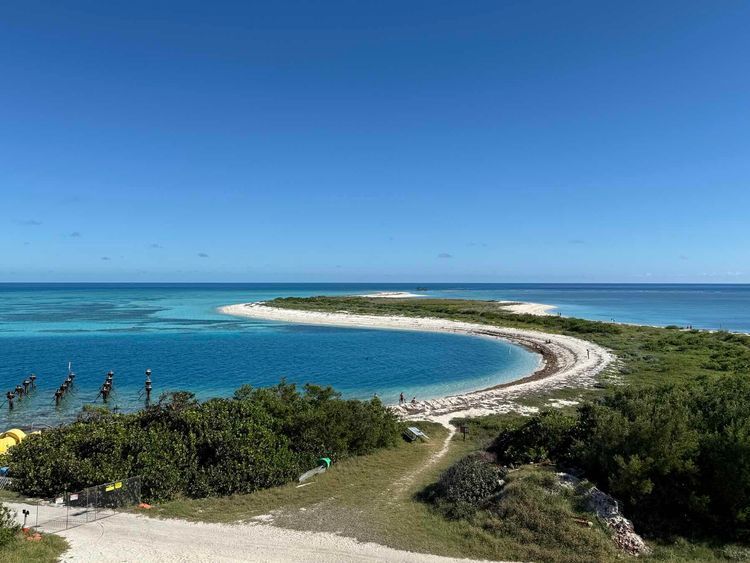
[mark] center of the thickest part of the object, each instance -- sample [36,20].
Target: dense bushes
[465,487]
[546,436]
[258,439]
[678,455]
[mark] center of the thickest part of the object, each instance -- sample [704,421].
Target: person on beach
[413,400]
[401,399]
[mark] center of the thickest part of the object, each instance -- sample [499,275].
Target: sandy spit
[392,295]
[526,307]
[567,362]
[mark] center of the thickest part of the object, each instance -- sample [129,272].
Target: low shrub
[465,486]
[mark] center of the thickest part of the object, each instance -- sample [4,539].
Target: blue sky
[383,141]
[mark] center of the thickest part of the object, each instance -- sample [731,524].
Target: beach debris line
[326,463]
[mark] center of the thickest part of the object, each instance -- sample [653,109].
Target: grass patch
[533,519]
[48,550]
[684,550]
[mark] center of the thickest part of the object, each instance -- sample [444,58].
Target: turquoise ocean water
[176,331]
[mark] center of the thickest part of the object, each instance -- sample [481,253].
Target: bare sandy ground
[567,361]
[527,307]
[129,537]
[393,295]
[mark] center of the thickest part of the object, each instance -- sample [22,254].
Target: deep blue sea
[175,331]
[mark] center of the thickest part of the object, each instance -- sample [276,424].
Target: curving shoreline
[567,362]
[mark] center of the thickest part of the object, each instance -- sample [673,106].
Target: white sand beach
[392,295]
[567,362]
[526,307]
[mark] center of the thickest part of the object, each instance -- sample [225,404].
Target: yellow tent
[11,438]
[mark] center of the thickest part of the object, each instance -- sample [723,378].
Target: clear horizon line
[424,283]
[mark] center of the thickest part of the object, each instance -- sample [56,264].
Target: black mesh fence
[71,509]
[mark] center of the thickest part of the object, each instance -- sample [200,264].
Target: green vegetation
[465,487]
[260,438]
[667,433]
[14,548]
[47,550]
[9,528]
[537,521]
[377,497]
[678,456]
[356,488]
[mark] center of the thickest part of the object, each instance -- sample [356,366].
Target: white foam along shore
[567,362]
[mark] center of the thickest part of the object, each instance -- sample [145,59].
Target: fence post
[66,500]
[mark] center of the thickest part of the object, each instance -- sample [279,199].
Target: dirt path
[403,484]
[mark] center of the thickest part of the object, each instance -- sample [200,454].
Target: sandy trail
[567,362]
[403,484]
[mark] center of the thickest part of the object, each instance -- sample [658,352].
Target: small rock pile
[607,510]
